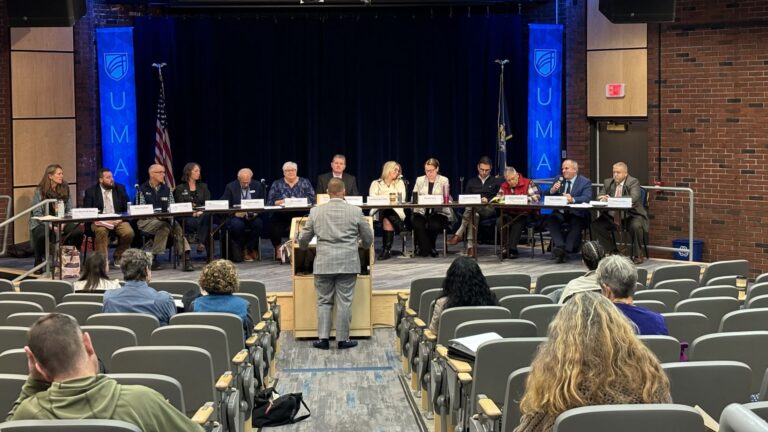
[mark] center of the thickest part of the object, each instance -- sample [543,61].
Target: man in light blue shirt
[136,296]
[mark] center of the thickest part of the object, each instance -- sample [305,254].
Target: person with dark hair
[429,222]
[464,285]
[244,227]
[618,279]
[192,190]
[93,275]
[591,254]
[219,281]
[338,165]
[52,186]
[64,383]
[136,295]
[109,197]
[485,186]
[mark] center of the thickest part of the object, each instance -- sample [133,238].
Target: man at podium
[338,226]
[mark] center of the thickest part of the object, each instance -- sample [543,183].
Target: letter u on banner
[545,83]
[117,98]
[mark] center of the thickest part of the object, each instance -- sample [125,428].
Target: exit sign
[614,90]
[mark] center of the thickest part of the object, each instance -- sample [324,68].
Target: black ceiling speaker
[638,11]
[45,13]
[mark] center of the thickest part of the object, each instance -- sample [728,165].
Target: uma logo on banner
[545,61]
[116,65]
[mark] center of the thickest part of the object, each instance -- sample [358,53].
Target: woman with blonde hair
[591,357]
[390,182]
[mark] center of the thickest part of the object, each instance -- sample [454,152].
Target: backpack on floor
[270,411]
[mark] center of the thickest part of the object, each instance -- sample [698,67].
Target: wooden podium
[305,298]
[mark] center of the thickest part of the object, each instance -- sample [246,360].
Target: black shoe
[347,344]
[559,254]
[433,253]
[385,254]
[156,265]
[188,267]
[513,254]
[322,344]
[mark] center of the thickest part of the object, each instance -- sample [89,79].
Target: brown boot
[453,241]
[471,252]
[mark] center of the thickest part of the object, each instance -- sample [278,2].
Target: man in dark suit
[634,218]
[576,189]
[338,164]
[109,197]
[245,227]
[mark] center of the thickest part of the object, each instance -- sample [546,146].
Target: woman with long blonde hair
[390,182]
[591,357]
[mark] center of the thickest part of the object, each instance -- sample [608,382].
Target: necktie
[567,186]
[108,206]
[244,193]
[616,213]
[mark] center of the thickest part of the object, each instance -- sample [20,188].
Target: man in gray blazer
[338,226]
[635,218]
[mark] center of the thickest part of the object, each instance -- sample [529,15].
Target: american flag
[502,125]
[162,140]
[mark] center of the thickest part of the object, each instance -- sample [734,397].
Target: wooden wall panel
[42,39]
[43,84]
[617,66]
[39,143]
[603,34]
[22,198]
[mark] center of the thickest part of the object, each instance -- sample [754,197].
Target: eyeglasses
[430,170]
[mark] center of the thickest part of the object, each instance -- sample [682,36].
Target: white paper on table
[144,209]
[184,207]
[473,342]
[323,198]
[85,213]
[377,200]
[216,204]
[555,201]
[249,204]
[598,203]
[470,199]
[580,205]
[430,199]
[354,200]
[620,202]
[295,202]
[108,215]
[516,199]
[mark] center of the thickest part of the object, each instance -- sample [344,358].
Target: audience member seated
[622,185]
[464,285]
[109,197]
[516,220]
[52,186]
[290,186]
[591,357]
[192,190]
[429,222]
[64,383]
[565,225]
[485,186]
[93,275]
[618,279]
[591,254]
[390,182]
[136,295]
[244,227]
[219,280]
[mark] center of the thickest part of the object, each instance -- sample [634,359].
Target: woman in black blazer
[191,189]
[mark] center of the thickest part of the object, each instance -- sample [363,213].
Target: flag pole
[162,140]
[501,134]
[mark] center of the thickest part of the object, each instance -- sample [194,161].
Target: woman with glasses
[429,222]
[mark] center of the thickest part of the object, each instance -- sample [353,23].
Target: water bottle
[60,209]
[446,194]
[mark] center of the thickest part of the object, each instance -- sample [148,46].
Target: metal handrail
[45,263]
[5,231]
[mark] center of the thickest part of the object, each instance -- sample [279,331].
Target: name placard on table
[377,200]
[555,200]
[470,199]
[295,202]
[180,207]
[250,204]
[620,202]
[85,213]
[216,204]
[430,199]
[515,199]
[354,200]
[145,209]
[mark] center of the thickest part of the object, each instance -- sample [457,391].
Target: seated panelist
[390,182]
[244,227]
[290,186]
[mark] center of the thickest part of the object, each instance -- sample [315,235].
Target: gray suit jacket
[631,189]
[337,225]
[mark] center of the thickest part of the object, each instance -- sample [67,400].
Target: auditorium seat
[642,276]
[416,326]
[488,417]
[750,348]
[25,319]
[13,361]
[6,286]
[108,339]
[682,286]
[666,348]
[13,337]
[68,426]
[711,385]
[410,300]
[516,303]
[721,280]
[503,291]
[142,324]
[630,418]
[762,278]
[667,296]
[552,288]
[167,386]
[80,310]
[46,301]
[10,388]
[653,305]
[84,297]
[724,268]
[756,290]
[686,326]
[738,418]
[57,288]
[10,307]
[759,408]
[715,291]
[745,320]
[676,271]
[556,278]
[254,309]
[506,328]
[758,302]
[270,310]
[509,279]
[541,315]
[714,308]
[179,287]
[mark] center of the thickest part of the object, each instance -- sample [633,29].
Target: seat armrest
[488,408]
[267,316]
[464,378]
[459,366]
[260,326]
[271,299]
[419,323]
[441,351]
[251,341]
[240,357]
[225,381]
[410,312]
[203,414]
[429,336]
[403,296]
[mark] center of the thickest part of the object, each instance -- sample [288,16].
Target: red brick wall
[713,124]
[6,143]
[576,127]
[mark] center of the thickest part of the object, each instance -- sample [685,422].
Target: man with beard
[109,197]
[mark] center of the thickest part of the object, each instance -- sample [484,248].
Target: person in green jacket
[64,384]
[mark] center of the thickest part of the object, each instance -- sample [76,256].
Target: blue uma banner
[545,83]
[117,97]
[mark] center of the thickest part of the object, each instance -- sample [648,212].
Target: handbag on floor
[270,411]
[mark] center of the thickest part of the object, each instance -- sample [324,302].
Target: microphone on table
[136,196]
